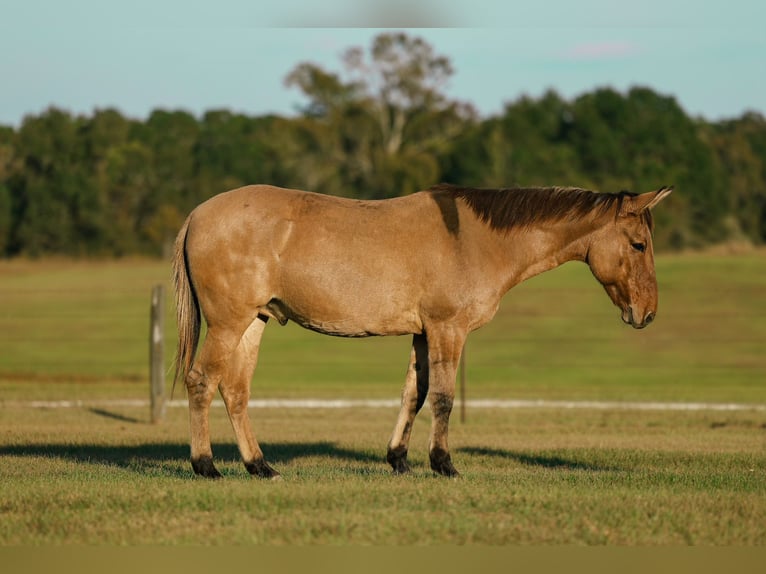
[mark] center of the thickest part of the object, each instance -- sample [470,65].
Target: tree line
[108,185]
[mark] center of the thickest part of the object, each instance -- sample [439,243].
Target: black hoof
[203,466]
[442,464]
[400,466]
[261,469]
[398,461]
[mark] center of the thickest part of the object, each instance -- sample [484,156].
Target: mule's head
[621,257]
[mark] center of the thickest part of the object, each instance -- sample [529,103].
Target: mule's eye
[641,247]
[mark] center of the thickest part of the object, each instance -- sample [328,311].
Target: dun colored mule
[434,264]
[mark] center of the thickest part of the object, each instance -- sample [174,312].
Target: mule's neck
[541,247]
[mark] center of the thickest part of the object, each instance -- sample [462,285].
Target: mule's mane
[504,209]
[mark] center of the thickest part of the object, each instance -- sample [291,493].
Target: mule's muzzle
[629,318]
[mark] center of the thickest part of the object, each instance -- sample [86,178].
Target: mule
[434,265]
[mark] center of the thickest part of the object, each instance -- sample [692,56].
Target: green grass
[529,477]
[79,330]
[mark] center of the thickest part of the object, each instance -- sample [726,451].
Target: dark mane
[504,209]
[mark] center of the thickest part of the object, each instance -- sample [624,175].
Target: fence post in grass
[462,384]
[156,354]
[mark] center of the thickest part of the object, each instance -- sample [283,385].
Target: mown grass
[529,477]
[79,330]
[84,326]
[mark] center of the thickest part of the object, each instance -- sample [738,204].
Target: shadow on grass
[115,416]
[538,459]
[173,458]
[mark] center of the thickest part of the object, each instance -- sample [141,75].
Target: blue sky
[183,54]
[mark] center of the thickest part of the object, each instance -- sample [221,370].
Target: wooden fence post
[156,354]
[462,384]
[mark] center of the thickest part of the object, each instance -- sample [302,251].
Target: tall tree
[386,119]
[105,184]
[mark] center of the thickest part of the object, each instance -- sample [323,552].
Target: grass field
[84,326]
[529,477]
[79,330]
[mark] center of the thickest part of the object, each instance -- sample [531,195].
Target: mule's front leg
[441,408]
[444,355]
[413,397]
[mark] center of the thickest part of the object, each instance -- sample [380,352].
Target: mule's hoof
[443,466]
[261,469]
[397,458]
[203,466]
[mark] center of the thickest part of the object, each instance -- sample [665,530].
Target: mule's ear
[647,200]
[657,196]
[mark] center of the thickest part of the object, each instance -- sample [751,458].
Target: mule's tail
[187,309]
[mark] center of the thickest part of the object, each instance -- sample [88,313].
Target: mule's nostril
[649,318]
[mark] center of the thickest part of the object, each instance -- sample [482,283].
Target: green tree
[234,150]
[384,122]
[126,180]
[643,140]
[740,147]
[8,166]
[47,145]
[526,145]
[172,137]
[106,184]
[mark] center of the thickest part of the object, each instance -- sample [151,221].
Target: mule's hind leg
[235,390]
[201,384]
[413,397]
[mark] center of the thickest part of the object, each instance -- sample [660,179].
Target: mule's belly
[348,275]
[346,310]
[343,326]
